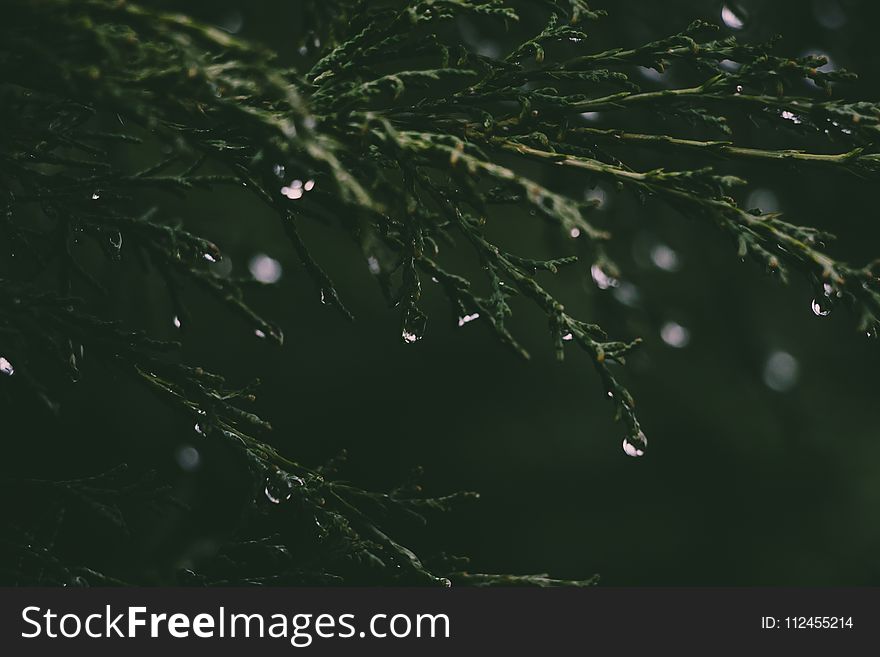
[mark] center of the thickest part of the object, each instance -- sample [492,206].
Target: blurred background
[763,463]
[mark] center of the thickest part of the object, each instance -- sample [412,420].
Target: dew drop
[210,257]
[819,309]
[467,318]
[373,264]
[199,429]
[781,371]
[260,334]
[265,269]
[6,367]
[309,185]
[568,337]
[602,280]
[413,326]
[96,195]
[176,321]
[575,233]
[823,303]
[444,582]
[635,445]
[675,335]
[731,18]
[188,458]
[279,487]
[664,257]
[409,337]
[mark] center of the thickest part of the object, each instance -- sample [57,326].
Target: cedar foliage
[408,141]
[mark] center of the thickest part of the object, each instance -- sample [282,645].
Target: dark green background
[741,485]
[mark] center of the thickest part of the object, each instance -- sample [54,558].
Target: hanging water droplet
[819,309]
[176,321]
[309,185]
[278,170]
[664,257]
[635,445]
[280,486]
[260,334]
[6,367]
[265,269]
[413,325]
[575,233]
[325,295]
[675,335]
[568,337]
[200,429]
[468,318]
[188,458]
[96,195]
[734,19]
[781,371]
[444,582]
[210,257]
[739,88]
[602,280]
[823,303]
[116,240]
[373,264]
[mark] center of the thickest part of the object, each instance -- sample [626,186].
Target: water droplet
[739,88]
[265,269]
[597,196]
[444,582]
[602,280]
[627,294]
[467,318]
[732,19]
[823,303]
[781,371]
[413,326]
[635,445]
[96,195]
[820,308]
[293,193]
[188,458]
[260,334]
[232,22]
[116,240]
[6,367]
[575,233]
[176,321]
[200,429]
[568,337]
[325,295]
[664,257]
[764,200]
[791,116]
[309,185]
[210,257]
[675,335]
[278,170]
[373,264]
[280,486]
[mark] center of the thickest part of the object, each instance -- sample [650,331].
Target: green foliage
[411,141]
